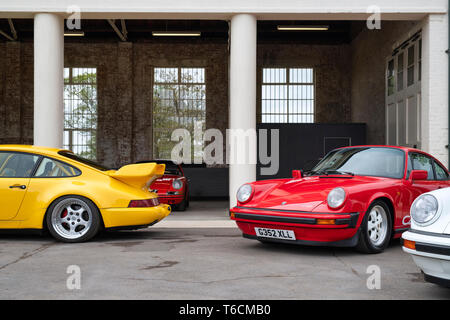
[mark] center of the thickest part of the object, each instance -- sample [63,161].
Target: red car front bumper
[171,199]
[307,226]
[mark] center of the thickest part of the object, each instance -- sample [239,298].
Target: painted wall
[207,9]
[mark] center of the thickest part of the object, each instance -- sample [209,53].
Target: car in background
[172,188]
[71,197]
[428,240]
[356,196]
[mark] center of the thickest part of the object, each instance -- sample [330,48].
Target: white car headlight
[177,184]
[424,209]
[244,193]
[336,197]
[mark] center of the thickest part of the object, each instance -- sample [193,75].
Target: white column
[48,80]
[242,96]
[434,129]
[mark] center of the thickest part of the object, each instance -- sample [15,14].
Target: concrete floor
[201,263]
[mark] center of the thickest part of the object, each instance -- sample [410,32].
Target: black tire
[86,211]
[187,200]
[365,243]
[181,206]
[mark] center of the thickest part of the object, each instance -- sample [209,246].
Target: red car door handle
[18,186]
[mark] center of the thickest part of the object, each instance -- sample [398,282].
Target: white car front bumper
[432,254]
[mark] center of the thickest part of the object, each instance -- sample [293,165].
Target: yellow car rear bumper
[124,217]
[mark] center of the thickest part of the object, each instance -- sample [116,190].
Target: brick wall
[124,76]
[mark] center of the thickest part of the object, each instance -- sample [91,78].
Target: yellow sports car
[71,197]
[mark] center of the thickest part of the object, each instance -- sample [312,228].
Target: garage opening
[127,88]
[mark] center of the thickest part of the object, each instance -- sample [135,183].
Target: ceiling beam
[13,30]
[122,34]
[6,36]
[13,36]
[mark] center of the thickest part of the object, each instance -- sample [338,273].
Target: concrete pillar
[48,80]
[242,96]
[434,129]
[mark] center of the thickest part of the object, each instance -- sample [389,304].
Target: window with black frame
[287,95]
[80,111]
[179,102]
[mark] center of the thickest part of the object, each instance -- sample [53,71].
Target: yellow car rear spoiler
[139,175]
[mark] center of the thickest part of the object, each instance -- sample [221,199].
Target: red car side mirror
[297,174]
[418,175]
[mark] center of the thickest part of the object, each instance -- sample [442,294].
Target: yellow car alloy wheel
[73,219]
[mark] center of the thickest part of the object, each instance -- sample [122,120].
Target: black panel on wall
[207,182]
[302,145]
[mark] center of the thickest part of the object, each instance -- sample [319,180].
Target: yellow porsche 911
[71,197]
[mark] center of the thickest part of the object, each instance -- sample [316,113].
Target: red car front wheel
[376,228]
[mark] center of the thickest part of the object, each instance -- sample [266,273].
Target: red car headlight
[244,193]
[144,203]
[177,184]
[336,198]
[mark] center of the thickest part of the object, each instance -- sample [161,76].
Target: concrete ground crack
[27,255]
[214,281]
[347,265]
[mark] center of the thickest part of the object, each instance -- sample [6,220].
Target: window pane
[411,55]
[300,75]
[411,75]
[391,68]
[80,111]
[390,77]
[441,174]
[166,75]
[422,162]
[17,165]
[193,75]
[274,75]
[178,103]
[53,168]
[411,65]
[400,67]
[287,103]
[420,60]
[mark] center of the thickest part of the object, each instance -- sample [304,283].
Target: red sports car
[356,196]
[172,188]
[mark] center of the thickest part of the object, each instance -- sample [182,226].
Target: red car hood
[303,194]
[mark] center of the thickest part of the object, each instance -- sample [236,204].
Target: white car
[428,240]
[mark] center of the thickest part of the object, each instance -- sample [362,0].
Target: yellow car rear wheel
[73,219]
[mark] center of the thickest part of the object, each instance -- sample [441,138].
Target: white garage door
[403,94]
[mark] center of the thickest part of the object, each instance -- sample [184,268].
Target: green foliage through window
[179,101]
[80,111]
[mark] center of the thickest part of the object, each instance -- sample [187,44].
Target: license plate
[275,233]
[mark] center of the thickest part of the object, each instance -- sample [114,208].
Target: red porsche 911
[355,196]
[172,188]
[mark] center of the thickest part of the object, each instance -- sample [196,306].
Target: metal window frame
[288,83]
[70,82]
[178,84]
